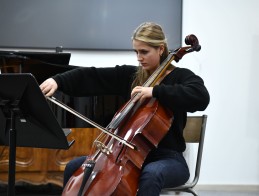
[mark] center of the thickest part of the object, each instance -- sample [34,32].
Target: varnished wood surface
[42,166]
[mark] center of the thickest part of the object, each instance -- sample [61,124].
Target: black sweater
[181,91]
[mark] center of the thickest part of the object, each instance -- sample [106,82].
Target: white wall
[228,31]
[229,34]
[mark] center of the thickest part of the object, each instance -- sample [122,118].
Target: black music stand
[26,119]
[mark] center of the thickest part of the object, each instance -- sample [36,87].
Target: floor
[29,190]
[52,190]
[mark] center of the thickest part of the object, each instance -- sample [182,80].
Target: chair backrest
[194,127]
[194,132]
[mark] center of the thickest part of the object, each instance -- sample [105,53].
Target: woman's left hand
[142,93]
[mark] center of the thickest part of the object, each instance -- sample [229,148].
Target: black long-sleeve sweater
[181,91]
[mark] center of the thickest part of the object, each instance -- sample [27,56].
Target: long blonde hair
[153,35]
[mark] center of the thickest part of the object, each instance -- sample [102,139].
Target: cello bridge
[104,149]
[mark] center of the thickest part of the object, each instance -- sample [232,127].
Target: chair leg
[190,190]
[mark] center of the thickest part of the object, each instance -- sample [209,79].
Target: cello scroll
[191,40]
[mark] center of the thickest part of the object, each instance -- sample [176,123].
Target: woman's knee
[71,167]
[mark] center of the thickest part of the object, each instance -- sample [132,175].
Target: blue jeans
[163,168]
[71,167]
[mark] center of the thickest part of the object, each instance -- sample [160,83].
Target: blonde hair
[153,35]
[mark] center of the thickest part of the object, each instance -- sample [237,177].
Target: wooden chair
[194,132]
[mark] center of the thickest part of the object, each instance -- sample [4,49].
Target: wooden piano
[39,165]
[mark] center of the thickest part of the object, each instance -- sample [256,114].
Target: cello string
[151,81]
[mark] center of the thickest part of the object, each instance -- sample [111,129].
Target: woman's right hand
[48,87]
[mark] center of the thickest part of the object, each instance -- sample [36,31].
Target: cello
[114,164]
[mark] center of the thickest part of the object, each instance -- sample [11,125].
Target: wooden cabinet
[42,166]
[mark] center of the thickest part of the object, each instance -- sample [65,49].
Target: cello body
[117,173]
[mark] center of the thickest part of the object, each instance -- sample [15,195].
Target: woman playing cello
[179,90]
